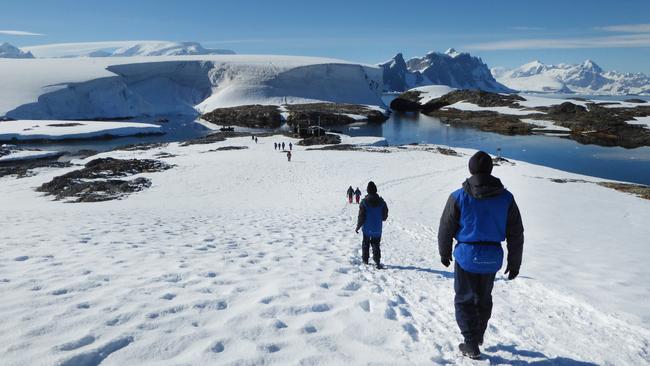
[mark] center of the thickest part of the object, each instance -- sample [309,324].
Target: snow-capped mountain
[123,49]
[10,51]
[167,49]
[585,78]
[456,69]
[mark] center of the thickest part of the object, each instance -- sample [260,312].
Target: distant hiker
[289,155]
[252,137]
[283,146]
[255,139]
[480,216]
[357,195]
[350,193]
[290,146]
[275,146]
[373,211]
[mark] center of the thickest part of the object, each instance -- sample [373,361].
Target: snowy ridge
[585,78]
[455,69]
[124,49]
[10,51]
[273,276]
[88,88]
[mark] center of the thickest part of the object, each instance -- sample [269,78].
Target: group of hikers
[278,146]
[353,193]
[480,216]
[254,138]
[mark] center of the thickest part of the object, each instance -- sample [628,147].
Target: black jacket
[373,200]
[482,186]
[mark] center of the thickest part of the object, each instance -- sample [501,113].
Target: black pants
[365,249]
[473,303]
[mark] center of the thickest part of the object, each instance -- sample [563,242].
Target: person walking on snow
[373,211]
[357,195]
[283,146]
[255,139]
[289,155]
[350,193]
[480,216]
[275,146]
[290,146]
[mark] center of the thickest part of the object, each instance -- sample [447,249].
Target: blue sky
[503,33]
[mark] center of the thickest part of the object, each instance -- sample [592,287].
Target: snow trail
[239,257]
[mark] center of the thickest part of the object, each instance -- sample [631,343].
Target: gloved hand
[512,273]
[356,230]
[446,261]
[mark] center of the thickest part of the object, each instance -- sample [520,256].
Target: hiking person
[283,146]
[290,146]
[252,137]
[480,216]
[289,155]
[255,139]
[350,193]
[275,146]
[373,211]
[357,195]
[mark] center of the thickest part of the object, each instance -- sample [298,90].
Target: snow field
[239,257]
[59,130]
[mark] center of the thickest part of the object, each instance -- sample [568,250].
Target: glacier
[91,88]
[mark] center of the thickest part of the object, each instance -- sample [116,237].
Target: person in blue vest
[373,211]
[480,216]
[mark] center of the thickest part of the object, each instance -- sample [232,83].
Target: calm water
[632,165]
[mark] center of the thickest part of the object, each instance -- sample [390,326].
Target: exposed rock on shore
[326,139]
[267,116]
[590,124]
[254,116]
[96,181]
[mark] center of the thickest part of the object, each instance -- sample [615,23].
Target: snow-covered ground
[108,87]
[242,258]
[430,92]
[643,121]
[545,125]
[27,154]
[466,106]
[62,130]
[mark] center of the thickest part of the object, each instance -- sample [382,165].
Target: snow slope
[241,258]
[89,88]
[124,49]
[585,78]
[62,130]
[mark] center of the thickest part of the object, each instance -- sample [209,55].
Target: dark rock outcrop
[254,116]
[478,97]
[329,114]
[97,180]
[326,139]
[636,100]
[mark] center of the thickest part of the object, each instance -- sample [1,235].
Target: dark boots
[376,251]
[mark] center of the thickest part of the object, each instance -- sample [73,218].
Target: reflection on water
[631,165]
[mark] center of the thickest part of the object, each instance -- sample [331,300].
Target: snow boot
[379,266]
[469,351]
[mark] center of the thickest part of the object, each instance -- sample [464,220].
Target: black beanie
[372,188]
[480,163]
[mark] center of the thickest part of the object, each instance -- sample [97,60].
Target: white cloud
[626,41]
[19,33]
[629,28]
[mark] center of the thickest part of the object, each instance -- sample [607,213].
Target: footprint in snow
[365,305]
[168,296]
[70,346]
[412,331]
[218,347]
[279,324]
[21,258]
[390,313]
[309,329]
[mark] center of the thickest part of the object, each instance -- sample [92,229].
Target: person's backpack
[374,218]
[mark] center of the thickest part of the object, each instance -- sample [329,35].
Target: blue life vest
[482,228]
[374,220]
